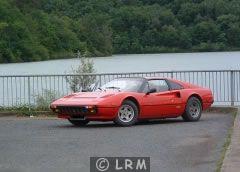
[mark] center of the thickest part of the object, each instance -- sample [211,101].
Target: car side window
[145,87]
[159,84]
[175,86]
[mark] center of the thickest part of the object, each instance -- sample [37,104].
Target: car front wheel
[127,114]
[193,110]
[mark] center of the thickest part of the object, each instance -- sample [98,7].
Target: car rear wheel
[127,114]
[193,110]
[78,122]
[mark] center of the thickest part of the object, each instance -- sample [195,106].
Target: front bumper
[93,113]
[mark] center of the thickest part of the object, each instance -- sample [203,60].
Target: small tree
[82,78]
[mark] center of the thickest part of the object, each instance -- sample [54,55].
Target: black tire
[78,122]
[131,114]
[193,110]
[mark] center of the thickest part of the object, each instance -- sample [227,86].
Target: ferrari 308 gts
[129,100]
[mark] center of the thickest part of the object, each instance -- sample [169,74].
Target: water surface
[132,63]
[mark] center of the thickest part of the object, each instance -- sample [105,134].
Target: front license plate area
[77,117]
[72,110]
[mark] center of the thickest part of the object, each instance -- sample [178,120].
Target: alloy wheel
[126,113]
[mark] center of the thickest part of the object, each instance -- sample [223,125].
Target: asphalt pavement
[28,144]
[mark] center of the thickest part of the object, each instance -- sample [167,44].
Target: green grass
[26,110]
[222,109]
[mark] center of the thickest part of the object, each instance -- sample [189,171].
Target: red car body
[104,105]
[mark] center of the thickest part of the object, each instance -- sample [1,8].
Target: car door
[161,103]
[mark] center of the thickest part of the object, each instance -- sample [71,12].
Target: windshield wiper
[118,88]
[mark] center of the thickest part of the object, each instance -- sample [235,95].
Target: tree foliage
[33,30]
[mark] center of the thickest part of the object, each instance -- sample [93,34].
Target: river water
[132,63]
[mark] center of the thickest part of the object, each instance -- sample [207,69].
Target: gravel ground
[55,145]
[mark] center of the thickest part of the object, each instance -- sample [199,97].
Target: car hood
[91,95]
[84,98]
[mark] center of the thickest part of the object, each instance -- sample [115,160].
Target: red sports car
[128,100]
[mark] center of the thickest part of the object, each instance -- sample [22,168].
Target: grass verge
[25,111]
[227,142]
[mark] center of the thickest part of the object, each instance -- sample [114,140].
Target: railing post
[172,74]
[232,87]
[29,93]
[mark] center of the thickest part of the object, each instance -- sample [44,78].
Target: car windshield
[124,84]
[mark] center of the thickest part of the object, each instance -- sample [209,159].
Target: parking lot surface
[28,144]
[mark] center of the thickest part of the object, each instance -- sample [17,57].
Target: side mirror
[152,90]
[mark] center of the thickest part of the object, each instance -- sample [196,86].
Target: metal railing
[16,90]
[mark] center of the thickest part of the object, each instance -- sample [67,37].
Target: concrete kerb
[231,162]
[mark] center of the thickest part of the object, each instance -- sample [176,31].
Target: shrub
[80,81]
[43,100]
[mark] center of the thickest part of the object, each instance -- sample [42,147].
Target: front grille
[72,110]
